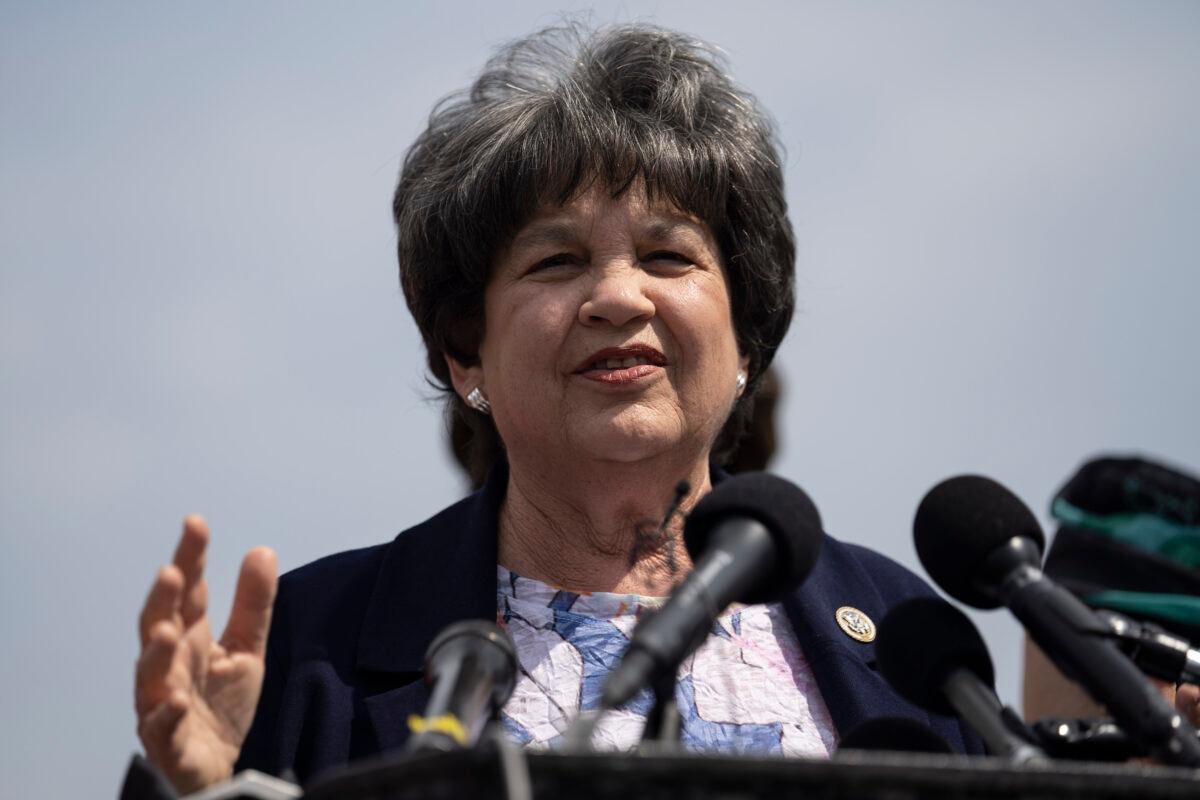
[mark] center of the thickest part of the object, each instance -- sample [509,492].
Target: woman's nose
[617,298]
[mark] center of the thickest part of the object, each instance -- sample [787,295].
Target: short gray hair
[560,111]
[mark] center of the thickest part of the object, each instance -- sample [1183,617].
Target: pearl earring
[477,401]
[741,381]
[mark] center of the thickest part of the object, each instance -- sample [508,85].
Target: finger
[250,616]
[189,557]
[151,686]
[162,602]
[157,729]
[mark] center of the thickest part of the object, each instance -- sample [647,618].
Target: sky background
[996,210]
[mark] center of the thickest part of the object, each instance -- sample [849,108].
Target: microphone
[1086,740]
[472,667]
[983,546]
[751,538]
[1159,654]
[933,655]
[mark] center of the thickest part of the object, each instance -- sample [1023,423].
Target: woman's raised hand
[195,696]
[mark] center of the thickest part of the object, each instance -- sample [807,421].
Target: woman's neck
[600,529]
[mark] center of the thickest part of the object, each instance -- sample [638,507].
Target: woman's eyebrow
[669,227]
[549,232]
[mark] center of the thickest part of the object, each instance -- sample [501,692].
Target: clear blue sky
[996,207]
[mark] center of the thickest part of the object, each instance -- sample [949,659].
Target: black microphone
[472,667]
[1158,653]
[933,655]
[751,538]
[1086,740]
[983,546]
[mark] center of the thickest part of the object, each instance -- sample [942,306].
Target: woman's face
[608,333]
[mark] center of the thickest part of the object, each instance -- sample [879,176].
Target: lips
[629,357]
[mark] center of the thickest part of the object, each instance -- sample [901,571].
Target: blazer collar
[437,573]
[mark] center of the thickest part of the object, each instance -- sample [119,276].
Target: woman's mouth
[618,363]
[623,365]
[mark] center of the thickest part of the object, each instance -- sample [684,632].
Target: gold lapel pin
[855,624]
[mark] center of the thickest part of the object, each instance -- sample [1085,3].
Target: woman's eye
[667,256]
[556,260]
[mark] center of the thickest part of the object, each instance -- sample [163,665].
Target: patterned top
[747,689]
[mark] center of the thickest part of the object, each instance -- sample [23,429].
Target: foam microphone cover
[920,642]
[962,521]
[781,507]
[485,641]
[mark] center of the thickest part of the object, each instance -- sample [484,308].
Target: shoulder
[842,562]
[352,570]
[857,577]
[326,608]
[849,575]
[894,580]
[323,602]
[333,571]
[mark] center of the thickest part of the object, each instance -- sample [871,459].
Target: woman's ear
[465,377]
[743,374]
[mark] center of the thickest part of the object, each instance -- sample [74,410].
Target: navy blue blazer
[349,635]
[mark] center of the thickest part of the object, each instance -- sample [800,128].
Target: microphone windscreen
[780,506]
[488,643]
[920,642]
[962,521]
[897,734]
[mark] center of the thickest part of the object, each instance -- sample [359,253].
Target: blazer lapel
[844,668]
[388,711]
[433,575]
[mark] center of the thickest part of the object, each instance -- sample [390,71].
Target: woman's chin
[627,440]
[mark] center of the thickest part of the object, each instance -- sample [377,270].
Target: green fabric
[1149,532]
[1178,607]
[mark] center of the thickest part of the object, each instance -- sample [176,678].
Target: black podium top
[857,775]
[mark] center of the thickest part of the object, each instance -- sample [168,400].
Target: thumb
[250,616]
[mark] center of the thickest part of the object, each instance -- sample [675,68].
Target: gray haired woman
[594,243]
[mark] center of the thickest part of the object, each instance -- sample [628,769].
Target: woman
[594,243]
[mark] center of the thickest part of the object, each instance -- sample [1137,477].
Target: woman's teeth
[620,363]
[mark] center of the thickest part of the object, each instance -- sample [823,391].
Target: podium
[852,775]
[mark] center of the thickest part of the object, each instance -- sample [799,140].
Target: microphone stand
[664,725]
